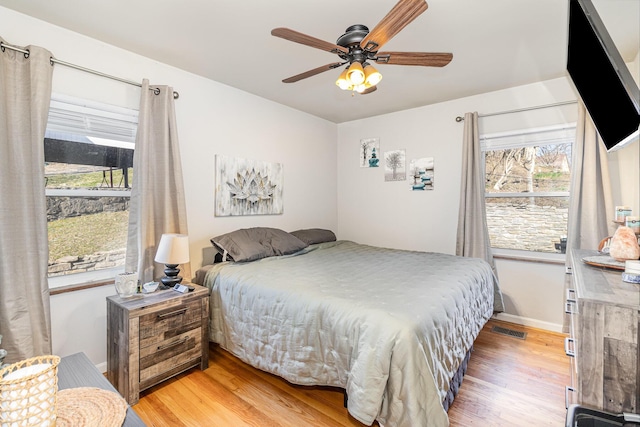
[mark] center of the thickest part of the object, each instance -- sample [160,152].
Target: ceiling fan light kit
[357,46]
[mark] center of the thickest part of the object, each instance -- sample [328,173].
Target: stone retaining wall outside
[82,264]
[527,227]
[59,207]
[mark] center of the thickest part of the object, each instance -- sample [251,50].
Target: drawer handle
[173,344]
[631,418]
[571,295]
[567,389]
[568,307]
[172,313]
[571,352]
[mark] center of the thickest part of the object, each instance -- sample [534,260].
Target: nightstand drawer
[158,328]
[156,361]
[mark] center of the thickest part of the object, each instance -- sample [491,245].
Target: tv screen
[601,77]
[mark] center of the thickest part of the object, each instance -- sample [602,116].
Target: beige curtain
[473,235]
[25,93]
[591,206]
[157,195]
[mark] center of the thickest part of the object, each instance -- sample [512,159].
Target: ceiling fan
[358,47]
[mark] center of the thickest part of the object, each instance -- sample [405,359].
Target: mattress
[391,327]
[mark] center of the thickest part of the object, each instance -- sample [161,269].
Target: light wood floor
[509,382]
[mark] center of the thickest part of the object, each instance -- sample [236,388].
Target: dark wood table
[77,370]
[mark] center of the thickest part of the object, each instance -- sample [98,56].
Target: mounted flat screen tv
[601,77]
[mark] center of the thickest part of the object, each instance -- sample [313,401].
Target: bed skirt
[454,385]
[456,381]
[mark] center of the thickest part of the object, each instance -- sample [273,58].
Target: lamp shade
[173,249]
[371,76]
[355,73]
[342,82]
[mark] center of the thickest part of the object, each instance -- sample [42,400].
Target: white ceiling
[496,44]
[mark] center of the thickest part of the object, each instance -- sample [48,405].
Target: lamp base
[171,277]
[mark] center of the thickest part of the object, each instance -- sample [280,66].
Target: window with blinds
[88,150]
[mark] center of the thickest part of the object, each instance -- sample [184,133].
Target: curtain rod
[537,107]
[53,60]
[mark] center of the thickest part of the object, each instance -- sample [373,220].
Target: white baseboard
[526,321]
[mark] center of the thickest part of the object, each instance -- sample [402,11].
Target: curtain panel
[473,235]
[472,239]
[591,203]
[25,93]
[157,204]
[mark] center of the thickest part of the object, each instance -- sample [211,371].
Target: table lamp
[172,251]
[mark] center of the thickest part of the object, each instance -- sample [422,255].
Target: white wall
[212,119]
[624,163]
[376,212]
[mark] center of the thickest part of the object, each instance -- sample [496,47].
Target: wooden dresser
[604,338]
[153,337]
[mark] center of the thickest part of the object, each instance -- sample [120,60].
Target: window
[528,176]
[88,173]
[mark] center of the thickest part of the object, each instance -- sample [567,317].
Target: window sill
[78,287]
[76,282]
[540,257]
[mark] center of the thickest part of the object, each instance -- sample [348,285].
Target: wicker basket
[28,391]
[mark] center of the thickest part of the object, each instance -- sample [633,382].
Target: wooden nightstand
[153,337]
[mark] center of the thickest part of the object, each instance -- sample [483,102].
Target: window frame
[86,118]
[555,134]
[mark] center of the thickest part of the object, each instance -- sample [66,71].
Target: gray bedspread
[389,326]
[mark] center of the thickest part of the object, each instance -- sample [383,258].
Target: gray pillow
[314,235]
[250,244]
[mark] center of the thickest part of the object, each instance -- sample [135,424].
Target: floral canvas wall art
[247,187]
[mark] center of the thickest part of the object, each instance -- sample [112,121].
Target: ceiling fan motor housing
[351,39]
[353,35]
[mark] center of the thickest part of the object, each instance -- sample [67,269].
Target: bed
[390,327]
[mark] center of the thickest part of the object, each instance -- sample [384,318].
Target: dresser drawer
[160,328]
[159,362]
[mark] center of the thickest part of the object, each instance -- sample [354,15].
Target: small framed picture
[395,167]
[421,173]
[369,152]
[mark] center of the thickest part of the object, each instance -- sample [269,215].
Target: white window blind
[557,134]
[83,118]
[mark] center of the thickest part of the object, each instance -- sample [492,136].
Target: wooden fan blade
[313,72]
[304,39]
[425,59]
[403,13]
